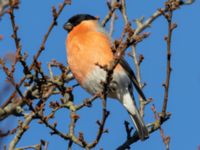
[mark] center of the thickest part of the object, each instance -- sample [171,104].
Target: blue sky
[33,19]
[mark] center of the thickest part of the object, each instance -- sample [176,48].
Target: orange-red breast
[87,45]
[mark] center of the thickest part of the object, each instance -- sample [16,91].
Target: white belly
[118,85]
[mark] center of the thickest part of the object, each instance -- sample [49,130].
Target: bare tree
[39,86]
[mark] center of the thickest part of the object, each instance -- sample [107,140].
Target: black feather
[132,76]
[77,19]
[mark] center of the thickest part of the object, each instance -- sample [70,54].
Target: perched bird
[87,45]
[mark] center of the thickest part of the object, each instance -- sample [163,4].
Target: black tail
[140,126]
[130,105]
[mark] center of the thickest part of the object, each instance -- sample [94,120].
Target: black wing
[132,76]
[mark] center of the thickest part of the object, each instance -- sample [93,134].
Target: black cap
[77,19]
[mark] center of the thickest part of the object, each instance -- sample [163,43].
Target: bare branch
[52,25]
[114,7]
[166,139]
[23,126]
[171,27]
[152,127]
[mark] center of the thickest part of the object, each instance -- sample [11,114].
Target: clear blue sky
[34,17]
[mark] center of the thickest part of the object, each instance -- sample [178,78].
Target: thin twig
[87,102]
[166,139]
[128,129]
[123,11]
[138,75]
[143,25]
[21,129]
[112,22]
[111,4]
[100,132]
[114,7]
[168,70]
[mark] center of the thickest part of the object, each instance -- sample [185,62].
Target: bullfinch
[87,45]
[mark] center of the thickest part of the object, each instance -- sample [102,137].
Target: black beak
[68,26]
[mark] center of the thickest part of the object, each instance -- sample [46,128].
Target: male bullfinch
[87,45]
